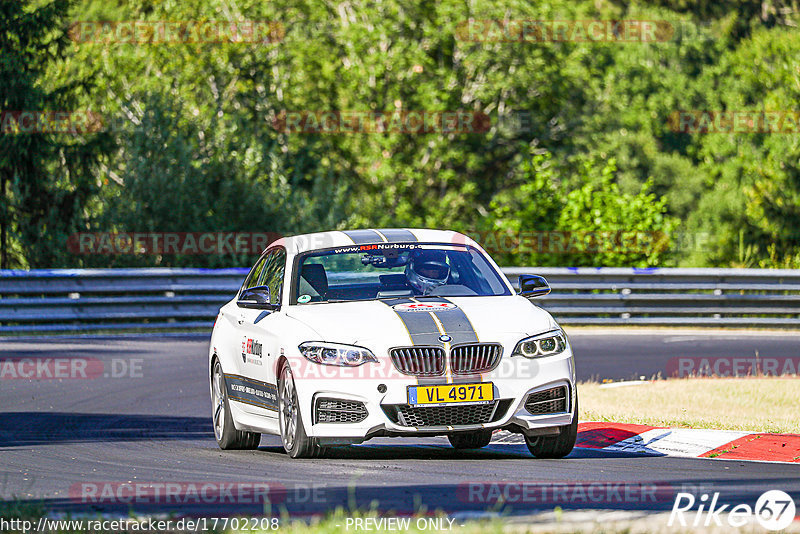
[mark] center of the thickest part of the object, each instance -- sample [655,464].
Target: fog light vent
[548,401]
[339,411]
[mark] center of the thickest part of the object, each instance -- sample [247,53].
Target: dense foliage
[582,158]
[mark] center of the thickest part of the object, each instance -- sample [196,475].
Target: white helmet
[427,269]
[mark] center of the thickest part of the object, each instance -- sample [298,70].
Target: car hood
[360,322]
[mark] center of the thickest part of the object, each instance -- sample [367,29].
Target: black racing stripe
[455,322]
[252,391]
[420,325]
[457,325]
[398,235]
[364,237]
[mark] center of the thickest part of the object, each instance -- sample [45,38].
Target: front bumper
[514,380]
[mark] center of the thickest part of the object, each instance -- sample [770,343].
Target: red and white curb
[682,442]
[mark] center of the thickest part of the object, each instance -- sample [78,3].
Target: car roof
[342,238]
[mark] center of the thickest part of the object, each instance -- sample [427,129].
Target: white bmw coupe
[338,337]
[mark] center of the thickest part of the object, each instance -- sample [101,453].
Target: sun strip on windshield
[352,249]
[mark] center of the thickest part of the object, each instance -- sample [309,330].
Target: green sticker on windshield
[302,299]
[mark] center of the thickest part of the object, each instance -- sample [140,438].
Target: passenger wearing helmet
[427,269]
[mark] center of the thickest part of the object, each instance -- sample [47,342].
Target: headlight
[336,354]
[547,344]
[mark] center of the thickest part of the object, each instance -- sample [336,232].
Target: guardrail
[664,296]
[94,300]
[74,300]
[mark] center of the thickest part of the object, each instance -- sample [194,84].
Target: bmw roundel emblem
[445,338]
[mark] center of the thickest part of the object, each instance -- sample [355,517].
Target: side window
[273,275]
[253,279]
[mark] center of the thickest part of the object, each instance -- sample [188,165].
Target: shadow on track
[416,451]
[41,428]
[38,428]
[442,451]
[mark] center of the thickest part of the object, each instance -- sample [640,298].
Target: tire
[470,440]
[555,446]
[227,436]
[293,433]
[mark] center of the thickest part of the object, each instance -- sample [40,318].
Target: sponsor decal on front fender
[251,351]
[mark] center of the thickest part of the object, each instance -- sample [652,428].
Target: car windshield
[395,270]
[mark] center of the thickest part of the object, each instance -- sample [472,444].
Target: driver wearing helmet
[427,269]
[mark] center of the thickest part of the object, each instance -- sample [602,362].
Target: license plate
[451,394]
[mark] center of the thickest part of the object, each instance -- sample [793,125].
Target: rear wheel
[555,446]
[470,440]
[226,434]
[293,432]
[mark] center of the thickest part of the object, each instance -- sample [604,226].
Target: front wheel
[293,433]
[226,434]
[555,446]
[470,440]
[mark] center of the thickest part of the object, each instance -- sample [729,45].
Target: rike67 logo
[251,347]
[774,510]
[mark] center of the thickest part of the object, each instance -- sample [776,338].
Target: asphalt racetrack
[144,421]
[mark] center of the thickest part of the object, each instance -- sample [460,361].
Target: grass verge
[757,404]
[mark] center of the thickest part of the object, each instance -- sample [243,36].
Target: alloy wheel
[288,410]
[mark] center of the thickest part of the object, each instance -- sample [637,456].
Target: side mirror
[255,297]
[531,285]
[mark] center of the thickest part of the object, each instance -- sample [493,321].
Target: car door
[232,318]
[259,340]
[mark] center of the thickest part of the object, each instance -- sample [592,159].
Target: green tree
[608,227]
[595,224]
[752,191]
[46,179]
[173,182]
[197,147]
[529,206]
